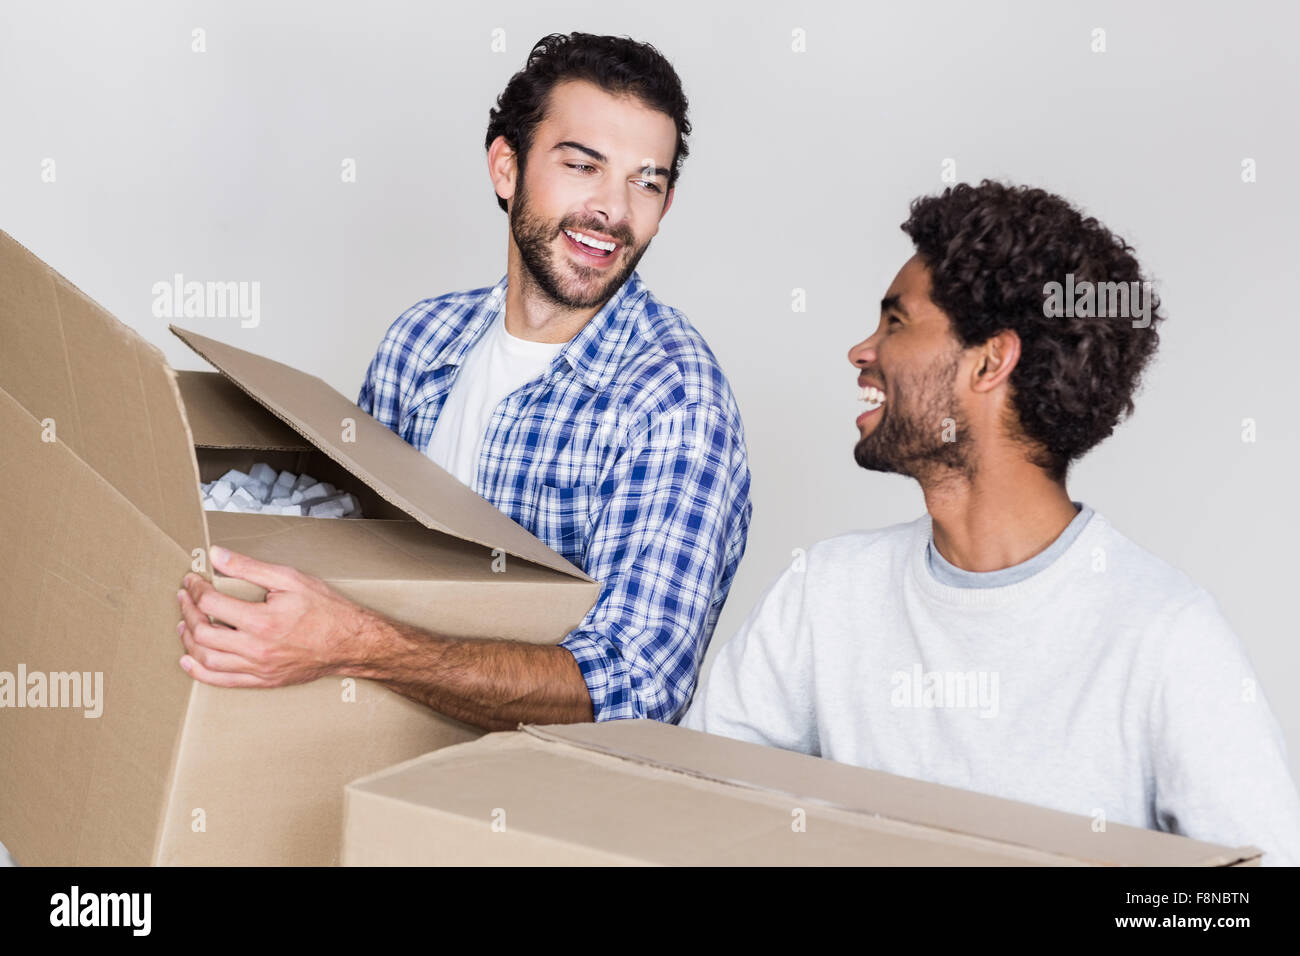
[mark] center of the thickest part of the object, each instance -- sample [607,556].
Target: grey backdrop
[225,165]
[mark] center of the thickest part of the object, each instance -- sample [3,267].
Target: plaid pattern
[627,456]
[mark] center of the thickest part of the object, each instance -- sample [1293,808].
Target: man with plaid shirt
[568,396]
[660,515]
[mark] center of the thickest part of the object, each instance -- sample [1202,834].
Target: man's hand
[304,630]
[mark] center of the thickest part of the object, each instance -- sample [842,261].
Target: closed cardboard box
[104,450]
[638,792]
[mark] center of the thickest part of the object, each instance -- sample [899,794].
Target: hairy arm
[489,683]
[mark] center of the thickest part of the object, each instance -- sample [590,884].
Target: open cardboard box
[641,792]
[104,449]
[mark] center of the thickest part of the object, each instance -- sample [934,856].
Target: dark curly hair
[619,65]
[991,250]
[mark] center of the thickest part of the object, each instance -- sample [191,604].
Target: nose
[863,354]
[609,202]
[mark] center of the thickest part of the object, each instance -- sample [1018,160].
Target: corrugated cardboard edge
[1234,857]
[160,830]
[555,561]
[218,447]
[195,385]
[195,479]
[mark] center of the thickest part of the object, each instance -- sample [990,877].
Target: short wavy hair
[991,250]
[619,65]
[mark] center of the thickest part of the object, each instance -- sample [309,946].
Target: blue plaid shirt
[627,456]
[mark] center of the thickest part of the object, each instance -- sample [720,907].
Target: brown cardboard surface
[105,446]
[641,792]
[87,583]
[419,578]
[399,473]
[221,415]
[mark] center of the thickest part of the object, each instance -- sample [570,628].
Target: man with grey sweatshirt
[1010,640]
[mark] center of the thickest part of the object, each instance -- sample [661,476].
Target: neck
[534,316]
[1006,513]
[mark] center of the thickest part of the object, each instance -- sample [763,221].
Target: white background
[225,165]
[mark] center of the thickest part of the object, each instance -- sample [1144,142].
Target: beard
[909,439]
[566,284]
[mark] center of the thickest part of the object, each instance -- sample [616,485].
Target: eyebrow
[600,157]
[893,303]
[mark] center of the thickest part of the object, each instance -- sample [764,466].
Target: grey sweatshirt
[1095,678]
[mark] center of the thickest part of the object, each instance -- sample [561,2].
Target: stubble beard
[910,438]
[554,279]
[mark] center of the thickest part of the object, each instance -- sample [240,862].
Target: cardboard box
[640,792]
[104,449]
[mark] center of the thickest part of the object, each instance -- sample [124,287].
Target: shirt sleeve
[391,368]
[1219,754]
[759,688]
[366,397]
[670,530]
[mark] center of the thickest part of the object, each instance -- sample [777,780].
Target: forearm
[494,684]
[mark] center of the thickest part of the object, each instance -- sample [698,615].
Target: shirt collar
[593,353]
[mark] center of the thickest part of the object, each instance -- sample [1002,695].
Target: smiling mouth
[590,245]
[873,396]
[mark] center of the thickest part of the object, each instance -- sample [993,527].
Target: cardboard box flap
[873,793]
[97,387]
[411,482]
[222,416]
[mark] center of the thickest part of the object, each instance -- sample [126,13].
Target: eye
[893,319]
[652,186]
[579,166]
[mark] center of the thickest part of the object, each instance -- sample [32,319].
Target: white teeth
[588,241]
[871,395]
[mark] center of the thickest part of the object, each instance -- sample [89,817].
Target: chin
[871,462]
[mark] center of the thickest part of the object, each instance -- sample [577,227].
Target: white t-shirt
[1108,680]
[496,365]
